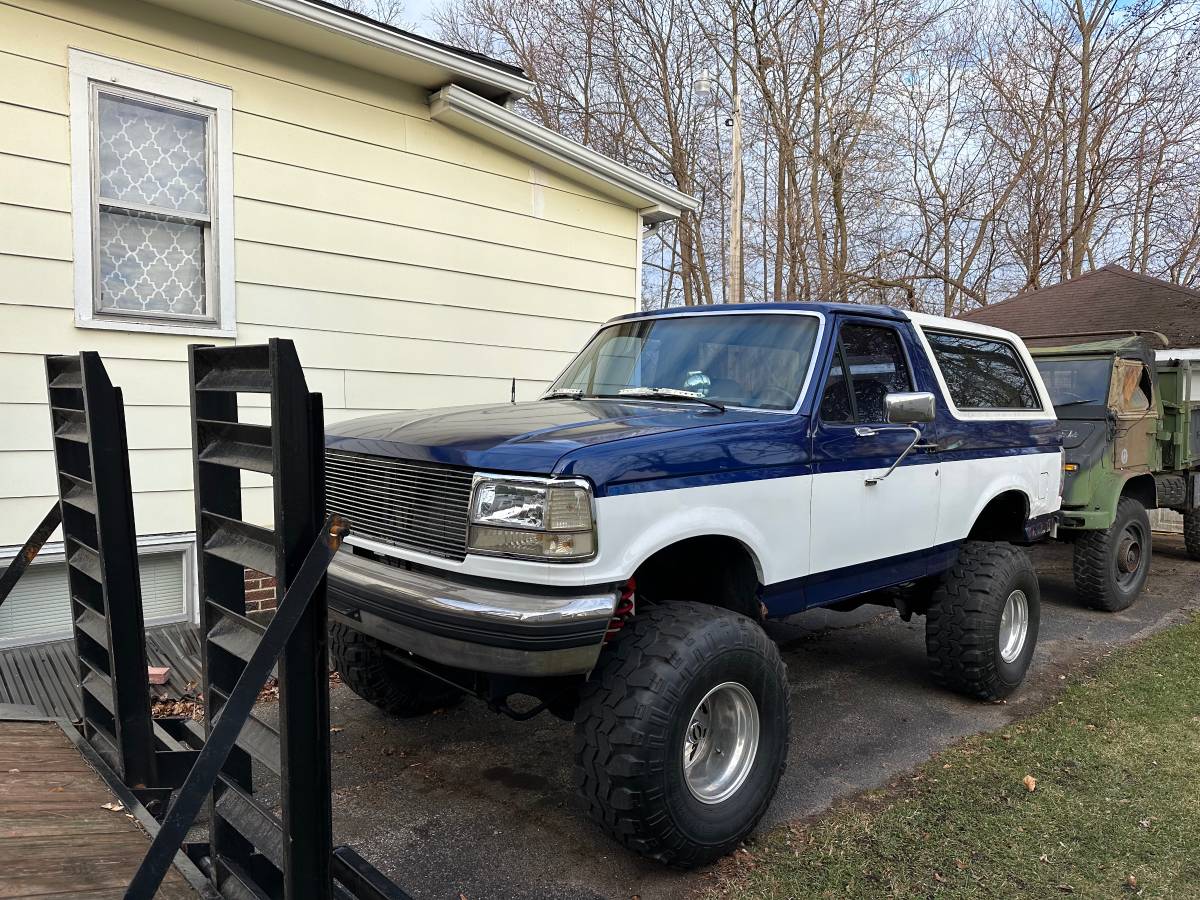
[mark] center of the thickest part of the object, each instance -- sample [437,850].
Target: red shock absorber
[623,611]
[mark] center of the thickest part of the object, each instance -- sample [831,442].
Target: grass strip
[1114,810]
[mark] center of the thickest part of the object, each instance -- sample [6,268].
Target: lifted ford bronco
[613,548]
[1129,413]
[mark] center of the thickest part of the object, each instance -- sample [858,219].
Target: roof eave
[470,113]
[357,41]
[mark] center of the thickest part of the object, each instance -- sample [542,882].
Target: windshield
[1076,381]
[739,359]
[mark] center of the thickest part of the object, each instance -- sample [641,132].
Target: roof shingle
[1109,299]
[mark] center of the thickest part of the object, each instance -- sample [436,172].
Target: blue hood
[527,437]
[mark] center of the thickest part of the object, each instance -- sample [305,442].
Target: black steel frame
[252,852]
[19,563]
[100,544]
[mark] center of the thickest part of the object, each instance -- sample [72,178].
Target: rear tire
[681,733]
[385,682]
[982,624]
[1111,566]
[1191,532]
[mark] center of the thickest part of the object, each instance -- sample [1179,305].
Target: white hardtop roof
[942,323]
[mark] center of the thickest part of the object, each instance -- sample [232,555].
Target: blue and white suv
[613,548]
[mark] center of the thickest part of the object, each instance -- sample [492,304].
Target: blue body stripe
[737,476]
[820,588]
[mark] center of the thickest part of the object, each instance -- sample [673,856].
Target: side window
[1132,387]
[869,366]
[982,373]
[835,402]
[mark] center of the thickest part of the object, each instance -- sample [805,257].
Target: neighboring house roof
[1104,300]
[468,112]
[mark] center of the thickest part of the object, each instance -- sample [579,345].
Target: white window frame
[936,323]
[88,70]
[180,544]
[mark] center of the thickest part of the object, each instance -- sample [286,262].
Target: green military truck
[1129,411]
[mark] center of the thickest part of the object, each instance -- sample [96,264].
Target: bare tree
[935,154]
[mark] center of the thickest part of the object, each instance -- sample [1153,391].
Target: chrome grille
[417,505]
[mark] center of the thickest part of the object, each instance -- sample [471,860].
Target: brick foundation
[260,592]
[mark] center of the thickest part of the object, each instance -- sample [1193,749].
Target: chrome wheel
[1014,626]
[720,743]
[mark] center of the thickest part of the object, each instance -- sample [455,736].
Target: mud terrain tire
[1101,560]
[637,722]
[965,638]
[385,682]
[1191,532]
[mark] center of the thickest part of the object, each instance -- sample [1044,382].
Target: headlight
[536,518]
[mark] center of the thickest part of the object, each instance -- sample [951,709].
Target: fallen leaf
[336,729]
[1132,882]
[14,771]
[1030,783]
[1066,889]
[114,806]
[939,878]
[57,790]
[1044,858]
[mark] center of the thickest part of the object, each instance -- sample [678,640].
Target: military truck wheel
[383,681]
[1111,566]
[982,623]
[681,733]
[1191,532]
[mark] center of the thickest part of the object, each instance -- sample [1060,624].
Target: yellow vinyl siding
[414,266]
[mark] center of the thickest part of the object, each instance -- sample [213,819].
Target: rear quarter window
[982,373]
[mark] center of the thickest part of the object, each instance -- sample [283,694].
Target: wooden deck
[56,838]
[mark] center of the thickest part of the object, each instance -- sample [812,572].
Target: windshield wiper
[658,393]
[1075,403]
[563,394]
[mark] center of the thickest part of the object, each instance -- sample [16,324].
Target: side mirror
[910,407]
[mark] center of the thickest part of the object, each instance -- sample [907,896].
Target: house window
[39,607]
[153,203]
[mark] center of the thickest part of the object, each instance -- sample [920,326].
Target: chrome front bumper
[519,631]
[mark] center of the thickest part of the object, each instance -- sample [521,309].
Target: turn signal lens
[535,544]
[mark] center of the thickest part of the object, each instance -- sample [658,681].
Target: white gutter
[388,39]
[466,111]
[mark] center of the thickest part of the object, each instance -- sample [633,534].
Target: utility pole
[736,270]
[734,289]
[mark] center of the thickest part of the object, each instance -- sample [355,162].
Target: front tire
[382,681]
[1111,566]
[681,733]
[981,627]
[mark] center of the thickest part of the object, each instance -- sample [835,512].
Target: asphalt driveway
[467,803]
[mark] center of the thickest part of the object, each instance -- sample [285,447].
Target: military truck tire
[1111,566]
[1191,532]
[681,733]
[385,682]
[982,623]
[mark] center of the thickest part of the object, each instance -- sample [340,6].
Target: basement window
[152,202]
[39,607]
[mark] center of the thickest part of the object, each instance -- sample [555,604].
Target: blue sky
[417,12]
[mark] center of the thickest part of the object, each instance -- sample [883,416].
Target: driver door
[863,536]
